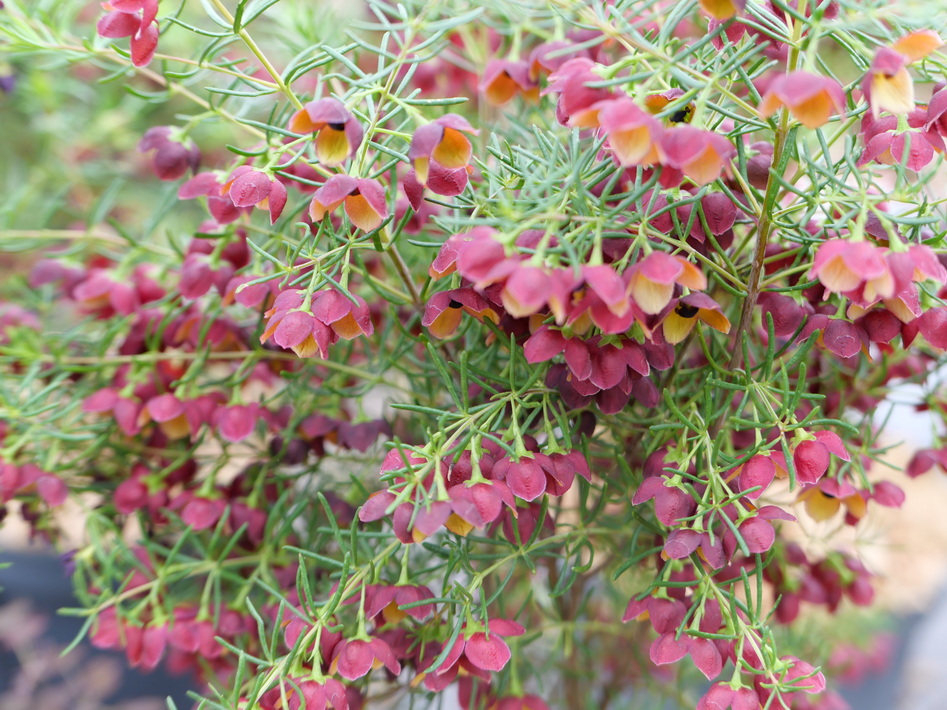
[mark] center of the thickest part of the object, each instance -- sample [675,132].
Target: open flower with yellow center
[336,131]
[888,85]
[633,134]
[440,154]
[694,307]
[810,98]
[652,280]
[842,266]
[364,201]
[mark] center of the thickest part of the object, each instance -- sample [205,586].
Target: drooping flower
[810,98]
[578,103]
[888,86]
[134,19]
[387,599]
[293,326]
[549,56]
[802,676]
[346,317]
[172,158]
[440,153]
[888,143]
[633,134]
[443,311]
[337,133]
[700,155]
[486,649]
[528,289]
[722,696]
[829,495]
[364,201]
[249,187]
[842,265]
[237,421]
[917,45]
[690,309]
[354,658]
[524,702]
[652,280]
[524,475]
[311,695]
[811,456]
[219,203]
[504,79]
[671,504]
[722,9]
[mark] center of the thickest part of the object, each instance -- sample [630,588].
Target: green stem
[258,53]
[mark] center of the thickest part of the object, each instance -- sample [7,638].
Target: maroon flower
[757,473]
[30,478]
[889,143]
[354,658]
[811,456]
[236,422]
[478,505]
[125,410]
[524,702]
[525,475]
[249,187]
[722,695]
[485,650]
[311,695]
[173,156]
[201,512]
[219,202]
[671,504]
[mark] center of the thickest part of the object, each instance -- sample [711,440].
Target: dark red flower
[249,187]
[354,658]
[485,650]
[173,155]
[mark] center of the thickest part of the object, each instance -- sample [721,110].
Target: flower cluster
[480,353]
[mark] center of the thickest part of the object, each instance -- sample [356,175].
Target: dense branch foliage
[529,351]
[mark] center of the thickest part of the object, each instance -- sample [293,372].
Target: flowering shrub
[504,350]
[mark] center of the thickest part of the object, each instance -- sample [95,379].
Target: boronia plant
[518,355]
